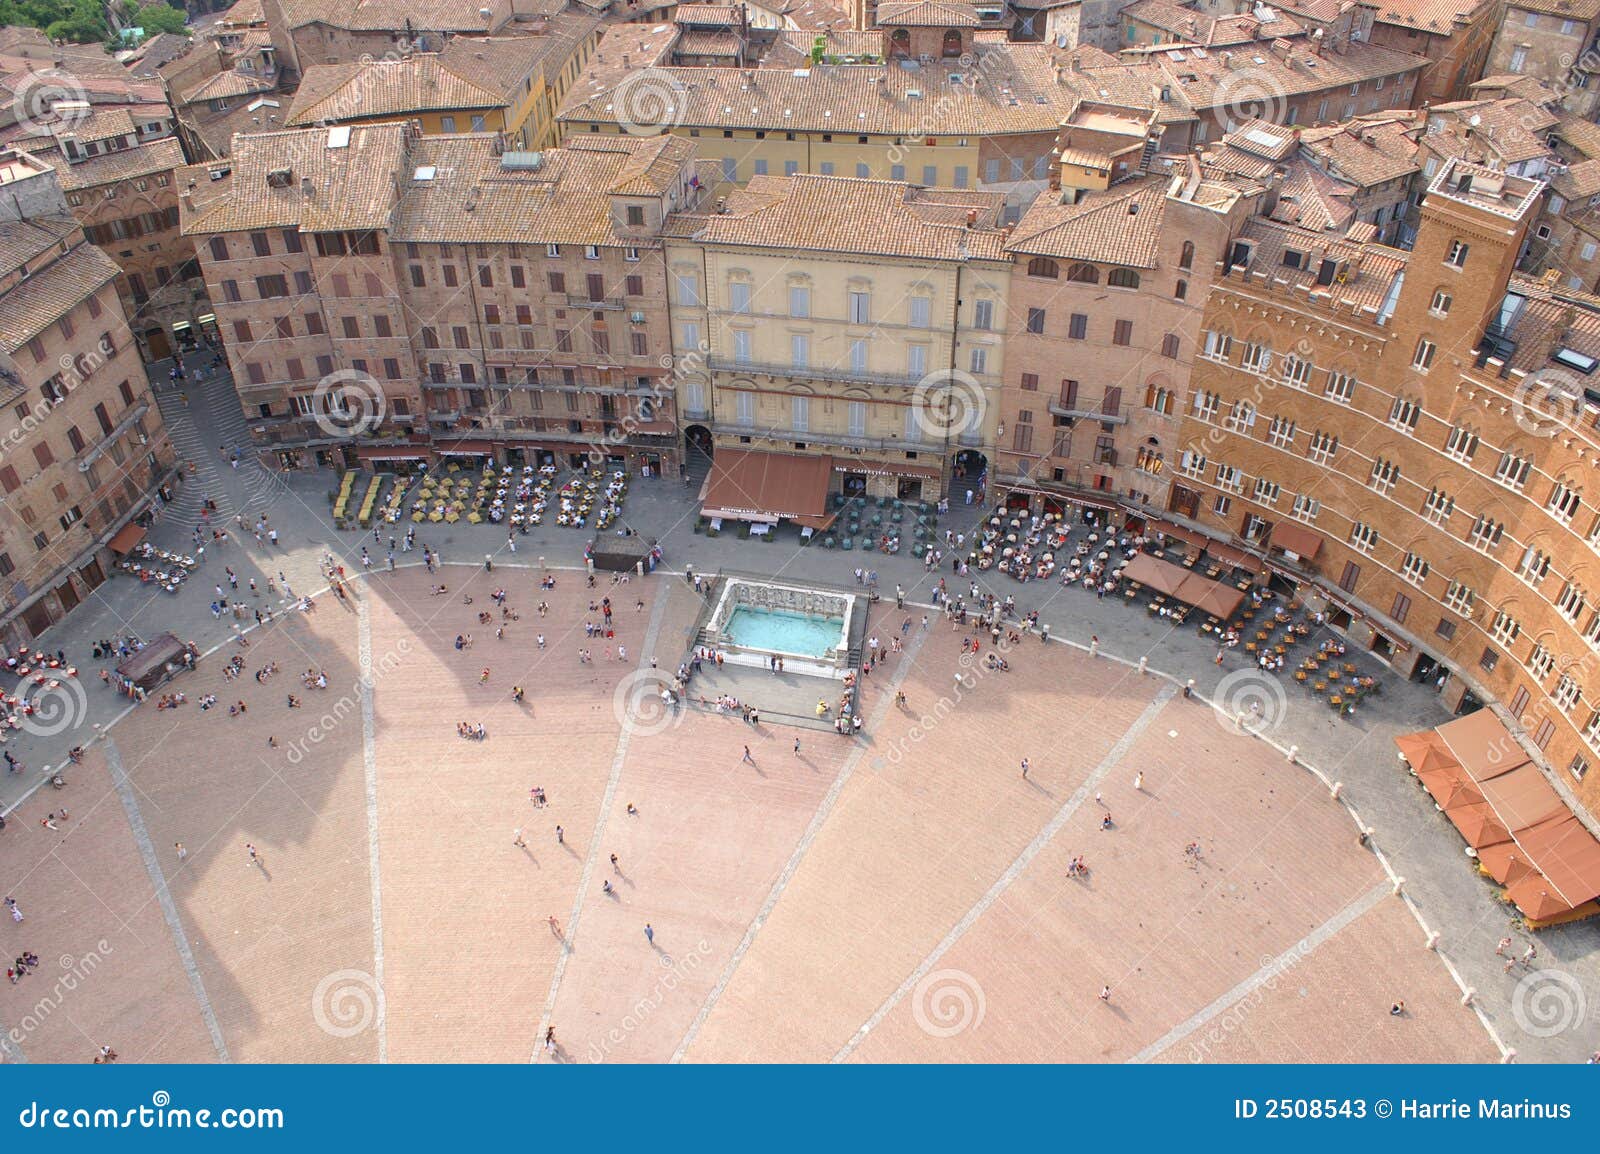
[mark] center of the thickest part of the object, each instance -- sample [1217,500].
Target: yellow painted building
[857,321]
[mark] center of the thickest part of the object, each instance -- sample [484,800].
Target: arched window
[952,42]
[1180,291]
[1084,274]
[1123,278]
[1186,257]
[1043,266]
[900,42]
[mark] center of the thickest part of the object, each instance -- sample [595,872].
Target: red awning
[1238,558]
[1296,539]
[392,452]
[1175,532]
[757,486]
[127,538]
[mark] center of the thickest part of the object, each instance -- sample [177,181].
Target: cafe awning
[1237,558]
[1176,582]
[1481,746]
[127,539]
[392,452]
[1526,837]
[752,486]
[1296,539]
[1175,532]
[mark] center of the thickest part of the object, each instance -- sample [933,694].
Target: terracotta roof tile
[1365,153]
[389,15]
[1439,17]
[1120,225]
[706,14]
[112,167]
[352,187]
[223,85]
[44,298]
[333,93]
[22,241]
[470,198]
[927,14]
[859,217]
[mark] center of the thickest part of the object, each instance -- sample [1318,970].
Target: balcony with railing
[1061,407]
[583,301]
[819,437]
[813,373]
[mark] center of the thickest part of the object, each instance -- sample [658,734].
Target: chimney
[972,218]
[307,189]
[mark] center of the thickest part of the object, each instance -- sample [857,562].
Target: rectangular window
[1035,320]
[1078,327]
[1122,333]
[983,315]
[799,301]
[860,308]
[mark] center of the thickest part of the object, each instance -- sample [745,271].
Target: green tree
[162,17]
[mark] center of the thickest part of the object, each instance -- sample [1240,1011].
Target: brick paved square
[899,897]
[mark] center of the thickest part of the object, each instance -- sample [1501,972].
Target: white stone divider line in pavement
[1344,799]
[1024,859]
[1273,969]
[369,763]
[790,867]
[169,908]
[652,633]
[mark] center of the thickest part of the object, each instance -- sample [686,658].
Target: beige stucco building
[857,321]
